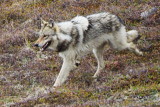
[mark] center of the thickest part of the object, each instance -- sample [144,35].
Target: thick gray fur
[100,24]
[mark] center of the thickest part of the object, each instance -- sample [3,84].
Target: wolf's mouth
[46,45]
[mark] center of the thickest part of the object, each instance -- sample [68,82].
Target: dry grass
[129,80]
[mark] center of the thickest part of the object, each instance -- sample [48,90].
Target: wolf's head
[51,37]
[47,35]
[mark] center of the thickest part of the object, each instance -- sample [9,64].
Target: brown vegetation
[129,80]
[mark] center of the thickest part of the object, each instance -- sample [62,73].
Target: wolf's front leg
[67,66]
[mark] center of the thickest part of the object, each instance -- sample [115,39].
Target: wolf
[82,35]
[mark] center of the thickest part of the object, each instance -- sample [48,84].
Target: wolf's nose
[36,45]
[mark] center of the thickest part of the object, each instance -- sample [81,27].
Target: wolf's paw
[95,76]
[139,53]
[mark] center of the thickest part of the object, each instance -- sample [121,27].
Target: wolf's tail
[132,35]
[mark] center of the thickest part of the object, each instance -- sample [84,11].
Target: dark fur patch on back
[75,36]
[86,31]
[90,25]
[107,27]
[96,28]
[101,25]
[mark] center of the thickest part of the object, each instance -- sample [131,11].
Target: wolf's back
[100,24]
[107,21]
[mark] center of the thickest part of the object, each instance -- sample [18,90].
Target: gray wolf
[82,35]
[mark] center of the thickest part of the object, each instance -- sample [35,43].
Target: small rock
[149,12]
[14,74]
[128,76]
[125,97]
[3,78]
[18,87]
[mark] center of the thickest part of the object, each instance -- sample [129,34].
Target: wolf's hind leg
[124,40]
[98,52]
[134,49]
[132,35]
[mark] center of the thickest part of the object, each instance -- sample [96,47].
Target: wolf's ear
[43,23]
[56,29]
[51,23]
